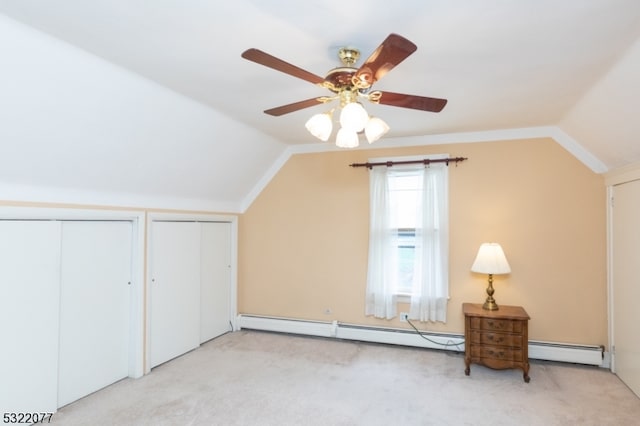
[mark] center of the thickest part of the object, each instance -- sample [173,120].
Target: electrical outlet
[404,316]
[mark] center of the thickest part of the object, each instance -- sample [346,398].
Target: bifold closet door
[175,290]
[215,298]
[29,295]
[94,306]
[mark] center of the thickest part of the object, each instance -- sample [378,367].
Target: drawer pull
[496,354]
[493,338]
[495,324]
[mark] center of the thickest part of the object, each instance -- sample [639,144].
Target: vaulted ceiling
[150,103]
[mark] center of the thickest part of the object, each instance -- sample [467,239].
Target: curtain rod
[426,161]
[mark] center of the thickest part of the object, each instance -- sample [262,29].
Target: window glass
[405,189]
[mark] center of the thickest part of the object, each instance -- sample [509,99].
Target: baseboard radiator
[578,354]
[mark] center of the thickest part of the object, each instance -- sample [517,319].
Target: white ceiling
[571,66]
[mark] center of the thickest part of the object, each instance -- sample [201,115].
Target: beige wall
[303,242]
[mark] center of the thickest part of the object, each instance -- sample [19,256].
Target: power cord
[449,343]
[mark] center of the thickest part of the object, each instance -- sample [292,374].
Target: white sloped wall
[76,128]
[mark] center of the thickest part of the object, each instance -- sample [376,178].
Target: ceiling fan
[350,84]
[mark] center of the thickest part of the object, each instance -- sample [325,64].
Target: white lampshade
[375,128]
[347,138]
[491,260]
[320,126]
[353,117]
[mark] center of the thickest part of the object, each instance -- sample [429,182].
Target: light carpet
[261,378]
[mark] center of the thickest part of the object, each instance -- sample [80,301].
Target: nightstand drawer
[501,339]
[496,352]
[492,324]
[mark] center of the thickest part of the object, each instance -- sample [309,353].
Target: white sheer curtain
[431,264]
[383,257]
[429,290]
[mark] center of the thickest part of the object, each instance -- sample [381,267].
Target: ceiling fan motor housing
[340,79]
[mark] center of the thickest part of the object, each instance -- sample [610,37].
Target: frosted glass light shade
[353,117]
[491,260]
[347,138]
[375,129]
[320,126]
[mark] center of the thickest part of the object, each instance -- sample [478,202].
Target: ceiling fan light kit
[321,126]
[350,85]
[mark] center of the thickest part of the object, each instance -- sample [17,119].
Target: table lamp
[490,260]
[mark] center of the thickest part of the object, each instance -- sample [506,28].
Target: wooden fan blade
[393,50]
[262,58]
[412,101]
[286,109]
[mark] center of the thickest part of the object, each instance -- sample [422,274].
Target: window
[408,241]
[405,188]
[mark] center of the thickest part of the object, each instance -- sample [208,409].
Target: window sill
[403,298]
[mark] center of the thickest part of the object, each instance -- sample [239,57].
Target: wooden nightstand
[496,339]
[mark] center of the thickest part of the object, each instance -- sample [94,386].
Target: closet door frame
[137,218]
[186,217]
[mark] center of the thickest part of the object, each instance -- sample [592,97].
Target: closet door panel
[94,307]
[29,297]
[215,280]
[626,283]
[175,290]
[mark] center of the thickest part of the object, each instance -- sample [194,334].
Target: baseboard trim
[547,351]
[399,336]
[568,352]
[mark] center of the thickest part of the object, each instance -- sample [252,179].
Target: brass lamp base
[490,304]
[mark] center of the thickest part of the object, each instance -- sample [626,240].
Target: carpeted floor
[259,378]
